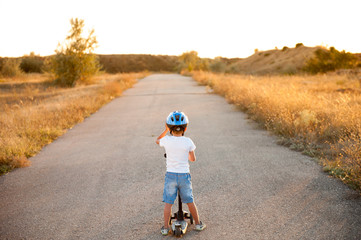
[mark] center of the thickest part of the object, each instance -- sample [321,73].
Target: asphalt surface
[104,178]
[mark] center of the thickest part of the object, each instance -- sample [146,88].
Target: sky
[227,28]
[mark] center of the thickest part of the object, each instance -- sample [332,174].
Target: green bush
[218,65]
[32,64]
[71,69]
[75,62]
[299,45]
[10,67]
[284,48]
[329,60]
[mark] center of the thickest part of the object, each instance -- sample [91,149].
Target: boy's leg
[167,214]
[193,209]
[169,195]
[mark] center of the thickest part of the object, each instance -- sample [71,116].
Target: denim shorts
[174,182]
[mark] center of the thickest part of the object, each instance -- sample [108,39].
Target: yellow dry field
[319,115]
[34,112]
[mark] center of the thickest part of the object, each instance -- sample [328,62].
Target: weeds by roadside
[318,115]
[34,113]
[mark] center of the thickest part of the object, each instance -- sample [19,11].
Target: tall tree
[74,60]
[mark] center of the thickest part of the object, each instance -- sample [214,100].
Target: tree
[191,61]
[74,61]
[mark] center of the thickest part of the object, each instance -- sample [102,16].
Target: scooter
[179,226]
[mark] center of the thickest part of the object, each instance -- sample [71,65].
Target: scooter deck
[183,225]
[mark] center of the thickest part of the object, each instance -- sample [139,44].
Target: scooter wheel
[177,231]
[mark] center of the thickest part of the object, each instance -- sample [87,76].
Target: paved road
[104,178]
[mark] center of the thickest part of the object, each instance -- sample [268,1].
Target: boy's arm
[192,156]
[162,135]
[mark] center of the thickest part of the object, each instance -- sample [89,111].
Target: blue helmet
[177,121]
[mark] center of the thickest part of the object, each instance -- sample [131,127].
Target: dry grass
[319,115]
[34,112]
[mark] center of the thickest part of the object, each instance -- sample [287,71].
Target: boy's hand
[163,134]
[192,156]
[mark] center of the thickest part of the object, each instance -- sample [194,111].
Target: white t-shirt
[177,150]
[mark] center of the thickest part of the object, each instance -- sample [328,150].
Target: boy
[179,150]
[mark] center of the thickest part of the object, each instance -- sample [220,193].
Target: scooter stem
[180,214]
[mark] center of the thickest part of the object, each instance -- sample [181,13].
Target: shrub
[190,61]
[203,64]
[32,64]
[330,60]
[10,68]
[299,45]
[218,66]
[75,62]
[284,48]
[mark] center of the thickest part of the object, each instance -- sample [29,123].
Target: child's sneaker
[164,231]
[200,226]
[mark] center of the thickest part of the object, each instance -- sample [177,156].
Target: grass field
[34,112]
[318,115]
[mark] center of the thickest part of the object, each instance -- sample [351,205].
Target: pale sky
[227,28]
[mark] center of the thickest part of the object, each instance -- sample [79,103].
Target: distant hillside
[121,63]
[285,61]
[116,63]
